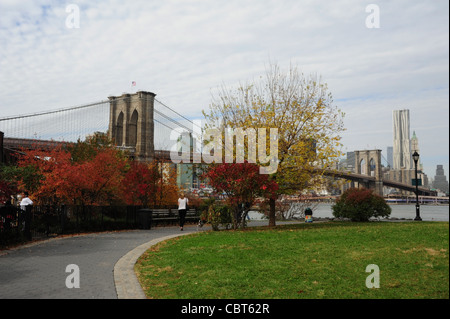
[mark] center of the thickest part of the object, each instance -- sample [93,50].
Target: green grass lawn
[318,260]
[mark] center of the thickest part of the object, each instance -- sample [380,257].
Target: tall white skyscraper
[402,143]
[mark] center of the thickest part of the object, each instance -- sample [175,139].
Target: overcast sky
[184,50]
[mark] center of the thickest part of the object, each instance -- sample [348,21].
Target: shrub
[360,204]
[217,215]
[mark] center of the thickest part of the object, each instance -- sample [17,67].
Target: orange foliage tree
[94,173]
[139,184]
[39,173]
[150,184]
[54,178]
[167,192]
[98,181]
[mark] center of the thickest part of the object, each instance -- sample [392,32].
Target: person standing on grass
[183,203]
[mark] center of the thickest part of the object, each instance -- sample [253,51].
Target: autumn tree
[140,184]
[83,151]
[167,192]
[98,169]
[7,189]
[38,173]
[8,183]
[53,176]
[98,181]
[242,183]
[94,172]
[149,184]
[301,108]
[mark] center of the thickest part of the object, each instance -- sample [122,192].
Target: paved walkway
[105,262]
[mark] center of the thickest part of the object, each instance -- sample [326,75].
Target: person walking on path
[183,203]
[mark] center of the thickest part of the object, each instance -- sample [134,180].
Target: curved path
[105,262]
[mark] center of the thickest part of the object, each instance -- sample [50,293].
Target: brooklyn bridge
[142,124]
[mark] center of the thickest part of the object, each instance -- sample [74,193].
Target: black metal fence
[17,225]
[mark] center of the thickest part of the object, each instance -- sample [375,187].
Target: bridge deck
[371,179]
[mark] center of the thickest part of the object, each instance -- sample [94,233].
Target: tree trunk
[236,219]
[272,212]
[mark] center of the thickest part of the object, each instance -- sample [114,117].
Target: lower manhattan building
[440,180]
[402,143]
[403,166]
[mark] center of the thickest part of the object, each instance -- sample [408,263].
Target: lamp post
[415,157]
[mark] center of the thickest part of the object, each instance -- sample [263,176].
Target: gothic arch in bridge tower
[362,166]
[369,163]
[372,167]
[132,129]
[118,136]
[131,123]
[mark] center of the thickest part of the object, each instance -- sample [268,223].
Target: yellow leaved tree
[301,109]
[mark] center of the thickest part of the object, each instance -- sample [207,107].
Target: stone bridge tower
[131,123]
[369,163]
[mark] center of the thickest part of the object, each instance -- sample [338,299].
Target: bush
[217,215]
[360,204]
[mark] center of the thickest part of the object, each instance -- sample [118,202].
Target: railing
[48,221]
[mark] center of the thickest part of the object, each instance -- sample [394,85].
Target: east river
[400,211]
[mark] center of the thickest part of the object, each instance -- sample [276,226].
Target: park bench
[192,215]
[170,216]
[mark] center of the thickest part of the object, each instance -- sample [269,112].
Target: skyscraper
[440,180]
[415,148]
[415,143]
[402,143]
[390,157]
